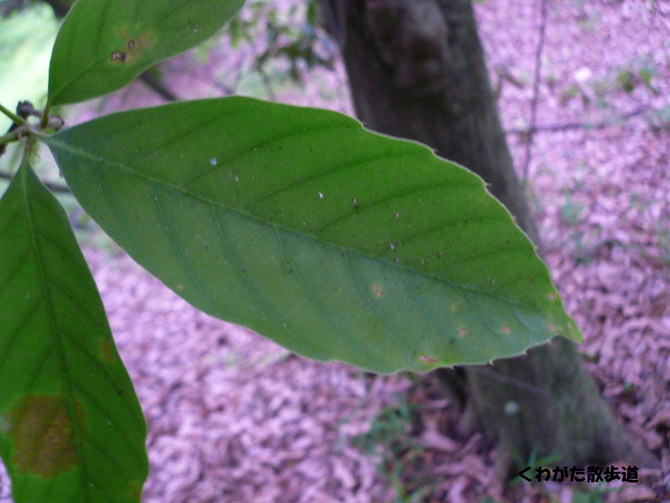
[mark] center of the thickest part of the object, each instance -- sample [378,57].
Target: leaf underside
[333,241]
[71,428]
[105,44]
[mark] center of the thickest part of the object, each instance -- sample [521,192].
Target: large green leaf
[104,44]
[335,242]
[71,428]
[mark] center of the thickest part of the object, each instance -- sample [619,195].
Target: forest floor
[233,417]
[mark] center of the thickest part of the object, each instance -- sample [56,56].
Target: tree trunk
[416,70]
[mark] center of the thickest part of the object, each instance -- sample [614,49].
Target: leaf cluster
[336,242]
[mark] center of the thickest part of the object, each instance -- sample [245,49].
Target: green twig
[9,137]
[45,117]
[15,118]
[583,125]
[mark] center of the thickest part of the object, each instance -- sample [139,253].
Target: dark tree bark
[416,70]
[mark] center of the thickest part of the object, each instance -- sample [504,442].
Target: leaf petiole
[9,137]
[15,118]
[45,117]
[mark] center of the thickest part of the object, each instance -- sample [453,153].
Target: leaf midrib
[69,396]
[52,141]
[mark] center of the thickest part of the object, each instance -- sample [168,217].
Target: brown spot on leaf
[132,48]
[117,56]
[135,490]
[107,349]
[378,292]
[427,359]
[41,432]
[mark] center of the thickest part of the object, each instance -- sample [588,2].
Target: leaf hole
[119,56]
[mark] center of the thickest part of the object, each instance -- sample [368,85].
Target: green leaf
[333,241]
[71,428]
[104,44]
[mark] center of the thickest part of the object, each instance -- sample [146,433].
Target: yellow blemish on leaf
[133,48]
[41,432]
[505,329]
[552,296]
[135,490]
[462,331]
[453,308]
[427,359]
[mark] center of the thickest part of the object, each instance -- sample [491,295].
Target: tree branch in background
[536,89]
[581,125]
[153,82]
